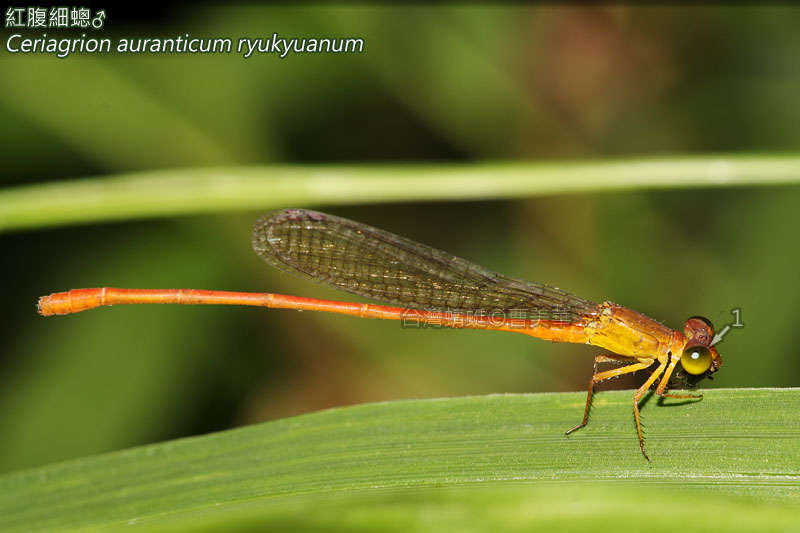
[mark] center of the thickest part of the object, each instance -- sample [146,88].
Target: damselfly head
[699,357]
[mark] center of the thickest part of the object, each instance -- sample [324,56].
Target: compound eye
[698,330]
[706,321]
[696,359]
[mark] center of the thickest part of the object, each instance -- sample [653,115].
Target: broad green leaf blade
[736,442]
[207,190]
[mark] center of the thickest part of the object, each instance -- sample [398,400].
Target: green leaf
[208,190]
[477,463]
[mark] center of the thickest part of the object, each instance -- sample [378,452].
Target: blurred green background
[444,84]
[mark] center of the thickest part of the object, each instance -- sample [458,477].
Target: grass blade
[736,442]
[209,190]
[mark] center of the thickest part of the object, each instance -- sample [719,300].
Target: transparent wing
[377,264]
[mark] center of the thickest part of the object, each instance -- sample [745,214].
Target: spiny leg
[598,377]
[638,396]
[662,385]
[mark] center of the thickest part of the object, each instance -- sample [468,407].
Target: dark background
[444,84]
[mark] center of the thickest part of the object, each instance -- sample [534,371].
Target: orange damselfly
[430,286]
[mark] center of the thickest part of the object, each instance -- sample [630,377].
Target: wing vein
[377,264]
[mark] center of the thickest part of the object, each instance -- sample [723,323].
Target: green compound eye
[696,359]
